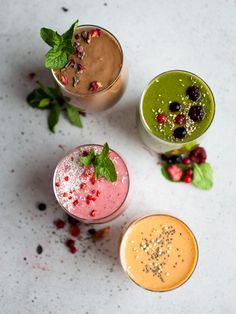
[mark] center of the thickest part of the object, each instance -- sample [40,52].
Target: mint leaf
[73,116]
[105,168]
[44,102]
[55,59]
[50,37]
[104,153]
[203,176]
[87,160]
[57,56]
[54,117]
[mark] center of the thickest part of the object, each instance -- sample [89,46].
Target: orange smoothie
[159,252]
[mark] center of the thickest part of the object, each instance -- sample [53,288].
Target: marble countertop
[199,36]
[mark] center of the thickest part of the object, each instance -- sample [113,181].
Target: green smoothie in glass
[177,107]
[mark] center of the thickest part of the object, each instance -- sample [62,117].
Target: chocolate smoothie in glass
[95,76]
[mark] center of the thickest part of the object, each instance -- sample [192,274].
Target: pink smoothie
[84,197]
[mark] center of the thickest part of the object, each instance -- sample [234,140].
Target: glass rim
[84,220]
[147,128]
[111,84]
[132,223]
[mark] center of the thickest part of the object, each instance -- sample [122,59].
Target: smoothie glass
[84,197]
[103,98]
[158,252]
[168,87]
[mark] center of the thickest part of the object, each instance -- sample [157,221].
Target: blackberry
[175,106]
[180,132]
[193,93]
[196,113]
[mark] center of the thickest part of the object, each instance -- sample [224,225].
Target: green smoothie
[177,107]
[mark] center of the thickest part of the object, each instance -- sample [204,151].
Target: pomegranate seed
[186,161]
[75,203]
[93,179]
[98,193]
[70,243]
[65,194]
[94,192]
[91,198]
[59,224]
[66,178]
[93,213]
[180,119]
[74,231]
[73,249]
[83,186]
[161,118]
[187,179]
[189,172]
[57,184]
[70,197]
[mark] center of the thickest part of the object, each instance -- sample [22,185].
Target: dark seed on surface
[64,9]
[196,113]
[193,93]
[180,132]
[92,231]
[175,106]
[39,249]
[42,206]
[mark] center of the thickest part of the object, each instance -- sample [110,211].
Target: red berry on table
[187,179]
[74,231]
[73,249]
[175,172]
[59,223]
[186,161]
[161,118]
[180,119]
[198,155]
[70,243]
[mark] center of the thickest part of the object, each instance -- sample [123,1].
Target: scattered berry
[186,161]
[93,213]
[92,231]
[72,220]
[187,179]
[59,224]
[42,206]
[180,132]
[193,93]
[70,243]
[189,172]
[74,231]
[176,159]
[198,155]
[180,119]
[161,118]
[39,249]
[175,172]
[175,106]
[196,113]
[73,249]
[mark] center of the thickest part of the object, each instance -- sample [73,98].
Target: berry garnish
[175,106]
[95,85]
[74,231]
[193,93]
[187,179]
[63,78]
[189,172]
[198,155]
[59,223]
[73,249]
[39,249]
[180,119]
[175,172]
[186,161]
[180,132]
[161,118]
[70,243]
[42,206]
[196,113]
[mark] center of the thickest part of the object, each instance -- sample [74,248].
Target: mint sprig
[57,56]
[51,99]
[103,165]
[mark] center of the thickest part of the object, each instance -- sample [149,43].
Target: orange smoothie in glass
[158,252]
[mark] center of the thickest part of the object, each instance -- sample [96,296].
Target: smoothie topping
[194,93]
[95,85]
[180,132]
[180,119]
[161,118]
[175,106]
[197,113]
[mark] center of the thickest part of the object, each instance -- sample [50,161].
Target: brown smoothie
[159,252]
[95,69]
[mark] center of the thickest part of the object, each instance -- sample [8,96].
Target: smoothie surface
[159,252]
[98,60]
[172,87]
[81,194]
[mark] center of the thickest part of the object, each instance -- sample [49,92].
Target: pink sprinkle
[75,203]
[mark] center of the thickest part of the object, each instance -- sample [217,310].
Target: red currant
[180,119]
[187,179]
[186,161]
[189,172]
[161,118]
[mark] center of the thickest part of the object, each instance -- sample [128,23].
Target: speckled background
[199,36]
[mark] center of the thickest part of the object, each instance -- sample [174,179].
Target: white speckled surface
[199,36]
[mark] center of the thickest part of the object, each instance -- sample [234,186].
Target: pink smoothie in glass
[83,196]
